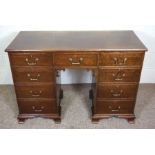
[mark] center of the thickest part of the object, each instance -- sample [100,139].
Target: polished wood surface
[119,75]
[76,41]
[37,74]
[115,91]
[37,106]
[36,91]
[74,60]
[35,85]
[114,107]
[115,59]
[121,59]
[31,59]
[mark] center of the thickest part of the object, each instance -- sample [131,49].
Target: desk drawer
[37,106]
[114,91]
[67,59]
[121,58]
[114,107]
[36,91]
[31,59]
[119,75]
[34,74]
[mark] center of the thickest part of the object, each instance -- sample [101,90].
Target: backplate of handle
[115,110]
[32,78]
[78,62]
[119,76]
[120,61]
[35,93]
[32,61]
[117,93]
[37,109]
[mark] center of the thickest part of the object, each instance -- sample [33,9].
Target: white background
[16,15]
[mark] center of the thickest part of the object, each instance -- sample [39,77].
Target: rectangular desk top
[76,41]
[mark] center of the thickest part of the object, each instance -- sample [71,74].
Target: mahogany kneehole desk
[114,57]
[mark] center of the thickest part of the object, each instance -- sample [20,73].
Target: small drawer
[31,59]
[31,74]
[36,91]
[67,59]
[119,75]
[114,106]
[114,91]
[121,58]
[37,106]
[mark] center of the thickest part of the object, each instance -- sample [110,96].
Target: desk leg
[95,120]
[21,120]
[57,120]
[131,120]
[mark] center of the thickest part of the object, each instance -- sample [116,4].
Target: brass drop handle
[116,94]
[119,76]
[120,61]
[32,61]
[115,110]
[38,110]
[33,79]
[35,93]
[74,62]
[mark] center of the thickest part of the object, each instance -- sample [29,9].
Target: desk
[114,57]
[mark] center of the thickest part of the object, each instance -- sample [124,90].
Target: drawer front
[114,107]
[36,106]
[31,59]
[119,75]
[34,74]
[66,59]
[36,91]
[114,91]
[121,58]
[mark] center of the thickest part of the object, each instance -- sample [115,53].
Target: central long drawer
[74,60]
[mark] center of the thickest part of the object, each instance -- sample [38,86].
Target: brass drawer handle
[38,110]
[36,93]
[116,93]
[32,61]
[120,61]
[119,76]
[74,62]
[33,79]
[115,110]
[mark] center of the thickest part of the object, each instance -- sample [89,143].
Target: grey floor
[76,111]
